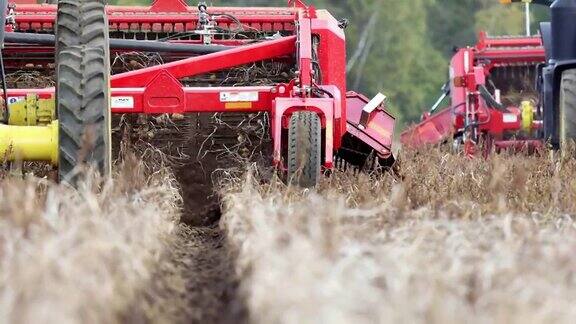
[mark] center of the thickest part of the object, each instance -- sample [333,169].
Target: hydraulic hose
[123,44]
[490,100]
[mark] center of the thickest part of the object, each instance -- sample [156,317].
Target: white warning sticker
[510,118]
[13,100]
[244,96]
[123,102]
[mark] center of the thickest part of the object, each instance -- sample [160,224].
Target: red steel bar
[514,41]
[195,99]
[509,56]
[208,63]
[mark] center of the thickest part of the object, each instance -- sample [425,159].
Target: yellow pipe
[29,143]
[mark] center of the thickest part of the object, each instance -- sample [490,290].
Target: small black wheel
[567,108]
[82,89]
[304,149]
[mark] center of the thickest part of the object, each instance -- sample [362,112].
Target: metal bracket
[369,108]
[31,111]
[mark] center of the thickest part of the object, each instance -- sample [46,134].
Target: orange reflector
[460,82]
[238,105]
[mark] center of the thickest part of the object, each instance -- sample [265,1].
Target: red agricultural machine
[511,92]
[314,121]
[494,100]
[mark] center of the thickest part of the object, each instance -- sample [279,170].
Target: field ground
[447,240]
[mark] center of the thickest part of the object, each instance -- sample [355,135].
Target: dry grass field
[447,240]
[85,256]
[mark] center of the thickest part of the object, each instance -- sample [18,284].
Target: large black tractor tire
[567,108]
[81,22]
[304,149]
[82,89]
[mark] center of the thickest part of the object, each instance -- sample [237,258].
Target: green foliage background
[402,47]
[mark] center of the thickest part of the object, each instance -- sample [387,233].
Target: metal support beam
[209,63]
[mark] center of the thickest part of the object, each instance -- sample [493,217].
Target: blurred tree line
[402,48]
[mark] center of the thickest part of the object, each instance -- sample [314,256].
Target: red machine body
[310,38]
[487,84]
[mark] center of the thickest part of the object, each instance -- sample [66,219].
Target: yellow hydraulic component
[527,108]
[32,111]
[29,143]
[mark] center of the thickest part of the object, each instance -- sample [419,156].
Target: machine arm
[445,94]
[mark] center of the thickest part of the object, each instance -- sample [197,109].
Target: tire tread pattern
[82,94]
[568,105]
[304,149]
[81,22]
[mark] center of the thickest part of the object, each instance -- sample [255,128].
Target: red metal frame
[468,110]
[162,15]
[157,89]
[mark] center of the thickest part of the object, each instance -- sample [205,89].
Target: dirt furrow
[211,284]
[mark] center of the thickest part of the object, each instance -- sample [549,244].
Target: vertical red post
[305,51]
